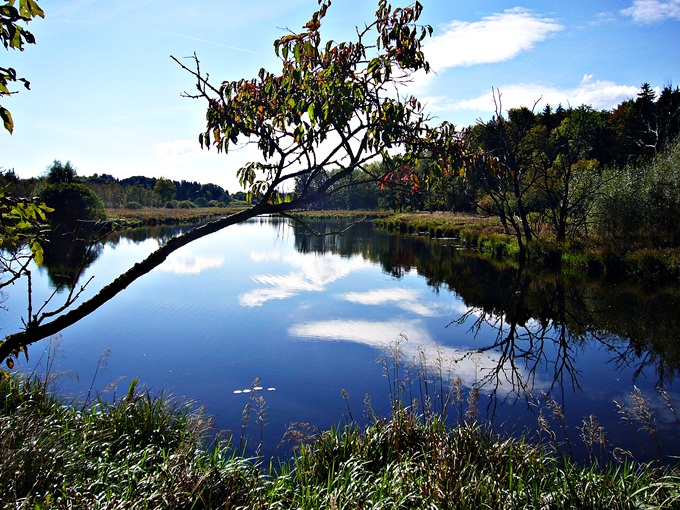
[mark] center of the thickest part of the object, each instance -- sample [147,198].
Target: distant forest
[137,191]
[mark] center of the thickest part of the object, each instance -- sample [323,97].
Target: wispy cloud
[409,300]
[214,43]
[653,11]
[308,274]
[415,345]
[496,38]
[177,149]
[599,94]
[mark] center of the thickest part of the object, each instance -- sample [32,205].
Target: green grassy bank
[590,256]
[153,452]
[152,216]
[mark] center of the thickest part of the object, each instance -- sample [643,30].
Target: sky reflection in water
[259,301]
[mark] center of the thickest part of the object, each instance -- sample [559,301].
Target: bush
[133,205]
[185,204]
[641,205]
[201,202]
[72,202]
[170,204]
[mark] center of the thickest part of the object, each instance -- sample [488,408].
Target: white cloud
[652,11]
[407,299]
[416,347]
[600,94]
[495,38]
[187,263]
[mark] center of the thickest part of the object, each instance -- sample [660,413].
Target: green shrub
[133,205]
[170,204]
[185,204]
[201,202]
[641,205]
[72,202]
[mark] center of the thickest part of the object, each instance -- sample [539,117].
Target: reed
[144,451]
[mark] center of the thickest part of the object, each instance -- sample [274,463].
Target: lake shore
[482,233]
[157,451]
[589,257]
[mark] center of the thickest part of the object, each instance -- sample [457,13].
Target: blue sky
[106,95]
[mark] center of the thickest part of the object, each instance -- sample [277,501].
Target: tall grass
[136,452]
[140,451]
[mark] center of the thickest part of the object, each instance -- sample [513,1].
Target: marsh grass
[144,451]
[589,255]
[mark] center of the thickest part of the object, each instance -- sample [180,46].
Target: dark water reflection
[311,312]
[640,326]
[543,324]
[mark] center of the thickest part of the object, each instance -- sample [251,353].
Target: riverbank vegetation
[139,451]
[579,189]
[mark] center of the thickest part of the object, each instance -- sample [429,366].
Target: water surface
[312,317]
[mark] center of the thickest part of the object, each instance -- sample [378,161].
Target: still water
[317,323]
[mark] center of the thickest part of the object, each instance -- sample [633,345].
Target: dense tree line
[568,170]
[572,172]
[138,191]
[150,192]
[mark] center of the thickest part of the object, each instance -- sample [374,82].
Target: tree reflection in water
[541,322]
[528,334]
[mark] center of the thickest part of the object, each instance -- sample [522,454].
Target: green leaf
[30,9]
[38,253]
[7,119]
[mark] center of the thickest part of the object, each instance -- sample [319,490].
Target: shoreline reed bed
[586,257]
[144,451]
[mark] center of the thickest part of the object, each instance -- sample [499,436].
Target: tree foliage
[73,203]
[59,173]
[14,36]
[330,111]
[165,190]
[22,221]
[334,106]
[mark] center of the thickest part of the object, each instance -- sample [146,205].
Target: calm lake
[317,322]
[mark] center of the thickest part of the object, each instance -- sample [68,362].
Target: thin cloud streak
[210,42]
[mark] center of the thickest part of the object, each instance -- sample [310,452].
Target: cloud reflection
[310,273]
[409,300]
[417,347]
[187,263]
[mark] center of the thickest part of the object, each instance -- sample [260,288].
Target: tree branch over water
[334,109]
